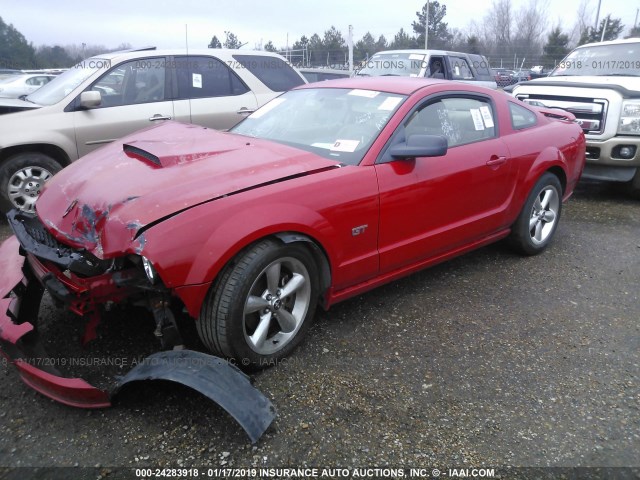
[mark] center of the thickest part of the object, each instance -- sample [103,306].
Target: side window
[205,77]
[461,120]
[436,68]
[274,72]
[134,82]
[481,65]
[521,117]
[37,81]
[460,69]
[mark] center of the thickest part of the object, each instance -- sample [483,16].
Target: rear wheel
[533,230]
[22,178]
[261,305]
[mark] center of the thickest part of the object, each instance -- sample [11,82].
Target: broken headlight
[151,273]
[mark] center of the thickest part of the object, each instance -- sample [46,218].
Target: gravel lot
[488,360]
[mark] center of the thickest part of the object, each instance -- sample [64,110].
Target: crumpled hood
[101,201]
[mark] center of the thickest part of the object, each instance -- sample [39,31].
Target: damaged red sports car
[327,191]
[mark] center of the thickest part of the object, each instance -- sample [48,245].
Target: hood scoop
[140,154]
[164,154]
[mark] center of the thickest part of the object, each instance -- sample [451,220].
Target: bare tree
[584,19]
[531,24]
[484,36]
[499,22]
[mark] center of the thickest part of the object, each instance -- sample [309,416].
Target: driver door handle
[495,160]
[245,111]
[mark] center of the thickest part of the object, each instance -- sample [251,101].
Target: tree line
[509,37]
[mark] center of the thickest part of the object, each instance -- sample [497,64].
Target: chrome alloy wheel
[544,214]
[25,186]
[276,305]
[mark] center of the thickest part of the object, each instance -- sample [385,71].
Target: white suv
[600,84]
[107,97]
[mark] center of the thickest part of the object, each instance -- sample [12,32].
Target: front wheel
[261,305]
[22,178]
[533,230]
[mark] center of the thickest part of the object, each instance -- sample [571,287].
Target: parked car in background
[326,192]
[463,67]
[502,76]
[16,86]
[322,74]
[9,72]
[600,84]
[521,76]
[109,96]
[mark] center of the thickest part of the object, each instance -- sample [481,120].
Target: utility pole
[598,14]
[350,45]
[604,29]
[426,27]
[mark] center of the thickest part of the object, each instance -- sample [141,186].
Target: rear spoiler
[557,113]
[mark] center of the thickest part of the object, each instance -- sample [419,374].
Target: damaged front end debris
[33,261]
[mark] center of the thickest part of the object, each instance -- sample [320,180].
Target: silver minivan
[109,96]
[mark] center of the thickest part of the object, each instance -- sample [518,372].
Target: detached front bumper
[22,284]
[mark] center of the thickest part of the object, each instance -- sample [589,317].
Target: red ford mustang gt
[325,192]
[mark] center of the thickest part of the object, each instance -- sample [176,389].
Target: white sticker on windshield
[390,103]
[486,116]
[267,108]
[322,145]
[364,93]
[345,145]
[415,56]
[477,119]
[196,80]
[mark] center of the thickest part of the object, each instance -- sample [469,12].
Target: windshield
[336,123]
[65,83]
[621,59]
[401,64]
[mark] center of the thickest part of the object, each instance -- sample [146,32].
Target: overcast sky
[162,22]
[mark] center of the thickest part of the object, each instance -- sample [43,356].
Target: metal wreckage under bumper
[26,270]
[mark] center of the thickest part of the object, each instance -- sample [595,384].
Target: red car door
[432,205]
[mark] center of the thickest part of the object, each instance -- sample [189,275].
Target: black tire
[537,223]
[41,168]
[241,299]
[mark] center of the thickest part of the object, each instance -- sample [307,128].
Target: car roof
[399,85]
[423,51]
[222,53]
[612,42]
[324,70]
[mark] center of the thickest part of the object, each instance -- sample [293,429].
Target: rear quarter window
[521,117]
[274,72]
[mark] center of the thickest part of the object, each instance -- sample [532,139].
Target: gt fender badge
[355,231]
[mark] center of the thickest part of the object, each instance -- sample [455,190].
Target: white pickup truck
[600,84]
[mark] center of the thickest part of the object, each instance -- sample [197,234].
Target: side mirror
[90,99]
[420,146]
